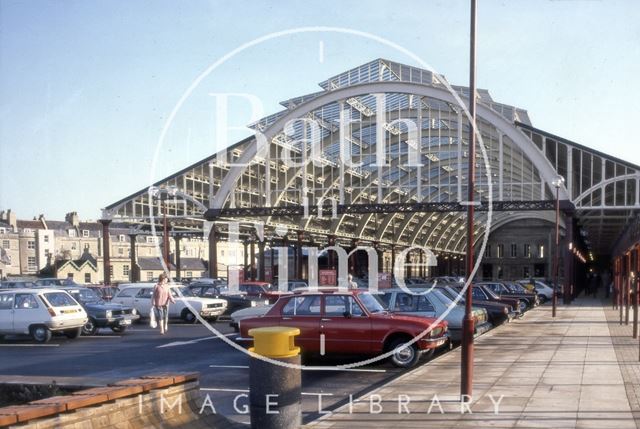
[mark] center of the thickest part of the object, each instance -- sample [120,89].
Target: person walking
[160,300]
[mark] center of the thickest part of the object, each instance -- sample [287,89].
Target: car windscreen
[372,304]
[177,291]
[491,293]
[60,299]
[88,295]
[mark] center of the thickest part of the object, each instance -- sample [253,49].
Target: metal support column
[299,236]
[568,261]
[246,259]
[261,260]
[106,245]
[213,252]
[253,259]
[176,239]
[133,260]
[466,368]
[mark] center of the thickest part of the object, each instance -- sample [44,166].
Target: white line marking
[214,389]
[197,340]
[470,203]
[229,366]
[29,345]
[321,344]
[101,336]
[310,368]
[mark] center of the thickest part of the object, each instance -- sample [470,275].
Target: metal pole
[634,255]
[554,299]
[165,236]
[133,259]
[106,260]
[627,290]
[213,252]
[177,258]
[466,378]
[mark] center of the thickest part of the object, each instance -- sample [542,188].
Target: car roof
[32,290]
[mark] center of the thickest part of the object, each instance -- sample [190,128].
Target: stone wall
[168,400]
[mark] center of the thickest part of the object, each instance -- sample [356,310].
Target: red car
[350,323]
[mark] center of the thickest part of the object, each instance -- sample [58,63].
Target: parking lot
[107,357]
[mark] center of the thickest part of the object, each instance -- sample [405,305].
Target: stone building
[518,250]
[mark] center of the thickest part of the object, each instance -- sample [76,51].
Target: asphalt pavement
[224,374]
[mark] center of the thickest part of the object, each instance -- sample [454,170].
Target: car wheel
[428,355]
[90,327]
[523,306]
[118,329]
[40,333]
[542,299]
[73,333]
[404,356]
[188,316]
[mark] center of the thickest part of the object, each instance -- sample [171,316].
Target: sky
[87,87]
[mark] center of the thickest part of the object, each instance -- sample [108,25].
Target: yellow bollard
[275,391]
[274,341]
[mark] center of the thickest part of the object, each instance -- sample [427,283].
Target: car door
[345,326]
[6,313]
[26,312]
[142,301]
[303,312]
[125,296]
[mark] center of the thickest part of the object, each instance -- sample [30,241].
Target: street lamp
[554,300]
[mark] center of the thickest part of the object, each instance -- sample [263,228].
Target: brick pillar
[299,236]
[568,260]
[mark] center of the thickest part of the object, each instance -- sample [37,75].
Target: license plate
[125,322]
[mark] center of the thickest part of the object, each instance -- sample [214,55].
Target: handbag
[152,318]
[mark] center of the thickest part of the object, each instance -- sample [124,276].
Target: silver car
[434,303]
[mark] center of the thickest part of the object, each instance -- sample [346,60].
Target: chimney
[10,217]
[72,218]
[43,221]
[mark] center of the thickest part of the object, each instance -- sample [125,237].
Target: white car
[39,313]
[246,313]
[544,291]
[138,296]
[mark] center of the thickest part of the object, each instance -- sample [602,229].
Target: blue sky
[86,87]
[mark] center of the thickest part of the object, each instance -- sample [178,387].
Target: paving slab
[579,370]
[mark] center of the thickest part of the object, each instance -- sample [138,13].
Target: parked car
[102,314]
[105,292]
[54,282]
[17,284]
[40,313]
[247,313]
[260,290]
[351,322]
[138,296]
[498,312]
[434,303]
[480,293]
[544,291]
[235,301]
[501,289]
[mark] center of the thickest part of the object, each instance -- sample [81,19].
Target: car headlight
[134,311]
[506,310]
[253,303]
[108,314]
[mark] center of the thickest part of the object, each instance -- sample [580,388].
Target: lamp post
[554,300]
